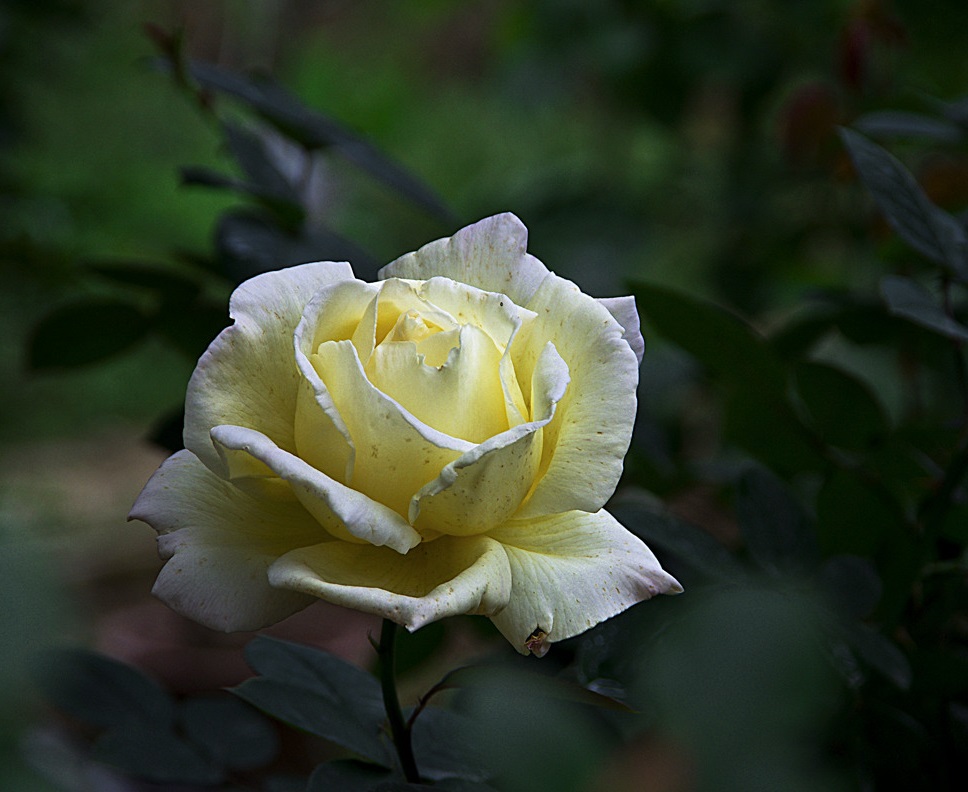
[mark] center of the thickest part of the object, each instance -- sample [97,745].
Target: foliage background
[684,148]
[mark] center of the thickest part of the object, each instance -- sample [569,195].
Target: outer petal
[446,577]
[484,487]
[344,512]
[490,254]
[624,312]
[571,571]
[587,440]
[219,543]
[248,376]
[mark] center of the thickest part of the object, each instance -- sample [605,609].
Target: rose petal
[624,312]
[446,577]
[219,543]
[248,377]
[396,453]
[490,254]
[342,511]
[484,487]
[571,571]
[463,398]
[587,440]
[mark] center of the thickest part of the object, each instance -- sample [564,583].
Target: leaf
[931,231]
[908,299]
[315,130]
[250,245]
[879,653]
[317,692]
[347,775]
[721,341]
[685,549]
[228,731]
[852,583]
[778,533]
[84,333]
[894,123]
[250,151]
[442,747]
[103,692]
[156,754]
[838,407]
[145,275]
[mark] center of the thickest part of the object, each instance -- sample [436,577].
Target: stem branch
[399,729]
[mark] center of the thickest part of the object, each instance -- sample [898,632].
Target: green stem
[399,729]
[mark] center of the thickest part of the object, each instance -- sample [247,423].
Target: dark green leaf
[931,231]
[229,732]
[721,341]
[317,692]
[287,209]
[163,280]
[250,245]
[852,583]
[347,775]
[907,298]
[687,551]
[899,124]
[103,692]
[156,754]
[314,131]
[191,327]
[838,407]
[442,747]
[85,333]
[879,652]
[250,151]
[778,533]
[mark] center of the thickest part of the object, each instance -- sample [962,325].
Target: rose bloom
[440,442]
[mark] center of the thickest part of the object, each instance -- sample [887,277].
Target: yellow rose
[436,443]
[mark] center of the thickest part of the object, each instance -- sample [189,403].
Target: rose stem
[398,728]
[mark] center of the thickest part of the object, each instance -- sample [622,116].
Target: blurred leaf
[721,341]
[908,299]
[442,747]
[317,692]
[419,646]
[288,211]
[347,775]
[250,151]
[853,583]
[231,733]
[840,408]
[777,530]
[149,276]
[85,333]
[931,231]
[895,124]
[691,549]
[852,518]
[155,753]
[191,326]
[879,653]
[103,692]
[315,130]
[250,245]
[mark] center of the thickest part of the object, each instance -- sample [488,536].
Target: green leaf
[229,732]
[931,231]
[347,775]
[84,333]
[721,341]
[250,151]
[908,299]
[879,653]
[156,754]
[317,131]
[103,692]
[688,551]
[779,534]
[852,583]
[838,407]
[899,124]
[144,275]
[442,748]
[317,692]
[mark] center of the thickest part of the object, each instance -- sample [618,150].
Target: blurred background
[688,144]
